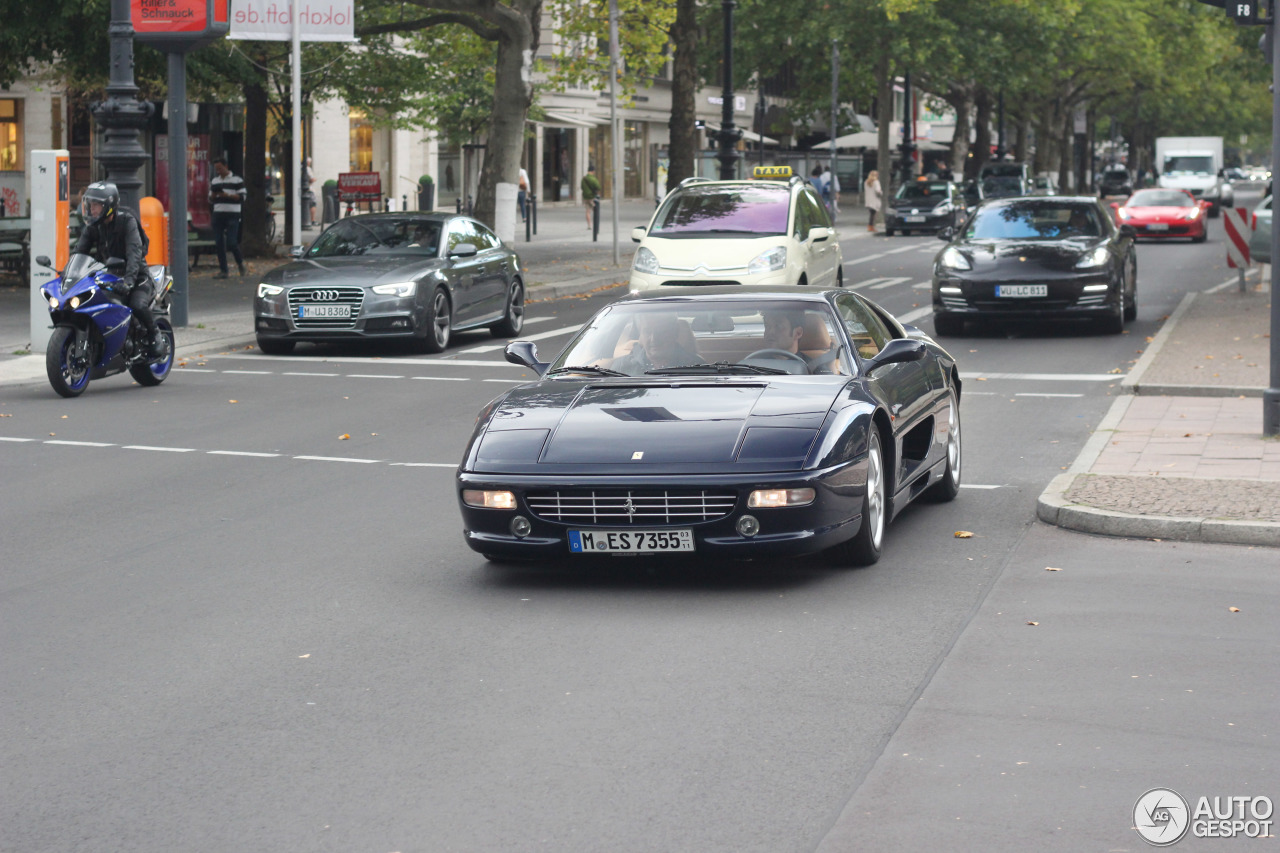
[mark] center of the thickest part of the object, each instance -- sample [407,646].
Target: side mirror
[43,260]
[946,232]
[116,265]
[637,233]
[525,354]
[296,252]
[820,234]
[1128,231]
[898,351]
[1115,205]
[463,250]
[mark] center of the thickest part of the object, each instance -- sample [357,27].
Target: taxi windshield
[751,210]
[707,336]
[1033,221]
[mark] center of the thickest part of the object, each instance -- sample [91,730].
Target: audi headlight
[768,261]
[645,261]
[1096,258]
[265,290]
[953,258]
[403,288]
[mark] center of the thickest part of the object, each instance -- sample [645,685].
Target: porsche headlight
[1095,258]
[645,261]
[402,288]
[953,258]
[265,290]
[768,261]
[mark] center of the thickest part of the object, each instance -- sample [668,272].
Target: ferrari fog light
[1094,288]
[520,526]
[488,500]
[748,526]
[779,497]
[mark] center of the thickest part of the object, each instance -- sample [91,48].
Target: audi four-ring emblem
[324,295]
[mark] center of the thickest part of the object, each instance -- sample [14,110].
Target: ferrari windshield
[1034,220]
[707,336]
[378,235]
[757,209]
[1161,198]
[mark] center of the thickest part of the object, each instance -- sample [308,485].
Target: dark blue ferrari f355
[723,421]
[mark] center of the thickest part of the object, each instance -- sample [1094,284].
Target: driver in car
[659,346]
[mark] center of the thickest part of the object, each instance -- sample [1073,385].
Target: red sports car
[1164,213]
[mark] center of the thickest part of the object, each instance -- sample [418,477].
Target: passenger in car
[658,346]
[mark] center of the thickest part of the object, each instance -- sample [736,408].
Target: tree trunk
[254,238]
[1023,128]
[982,142]
[1066,176]
[684,90]
[961,100]
[884,86]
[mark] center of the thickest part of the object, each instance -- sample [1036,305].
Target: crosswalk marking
[864,258]
[900,250]
[540,336]
[889,283]
[922,285]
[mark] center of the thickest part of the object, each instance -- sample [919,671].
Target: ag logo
[1161,817]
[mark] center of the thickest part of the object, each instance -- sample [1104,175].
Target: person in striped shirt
[226,195]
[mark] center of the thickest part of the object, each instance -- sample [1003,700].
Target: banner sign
[198,177]
[185,21]
[359,186]
[271,20]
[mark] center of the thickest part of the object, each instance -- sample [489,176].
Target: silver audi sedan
[402,276]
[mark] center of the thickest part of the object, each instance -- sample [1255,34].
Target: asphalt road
[237,613]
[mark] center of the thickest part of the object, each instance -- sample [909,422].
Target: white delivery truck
[1194,163]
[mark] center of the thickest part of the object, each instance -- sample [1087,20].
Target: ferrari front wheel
[865,547]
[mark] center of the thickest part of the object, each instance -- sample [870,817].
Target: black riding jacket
[121,237]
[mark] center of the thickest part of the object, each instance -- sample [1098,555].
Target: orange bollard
[156,223]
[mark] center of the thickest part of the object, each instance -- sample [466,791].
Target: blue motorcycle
[94,332]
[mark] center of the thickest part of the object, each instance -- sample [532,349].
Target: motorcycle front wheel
[154,372]
[68,371]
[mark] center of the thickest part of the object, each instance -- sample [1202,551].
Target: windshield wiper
[587,368]
[718,367]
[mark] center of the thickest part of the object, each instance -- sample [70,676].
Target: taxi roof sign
[771,172]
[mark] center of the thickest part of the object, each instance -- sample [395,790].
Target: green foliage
[426,179]
[582,34]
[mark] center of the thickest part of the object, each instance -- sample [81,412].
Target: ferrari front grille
[631,507]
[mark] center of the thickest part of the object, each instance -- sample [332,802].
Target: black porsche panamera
[1036,258]
[730,422]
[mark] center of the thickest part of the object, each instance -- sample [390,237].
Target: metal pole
[122,114]
[1000,149]
[835,127]
[728,136]
[616,143]
[295,197]
[1271,397]
[178,308]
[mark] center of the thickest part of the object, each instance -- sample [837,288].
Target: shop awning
[749,135]
[559,118]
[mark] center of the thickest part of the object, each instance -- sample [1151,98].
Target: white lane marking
[890,283]
[241,453]
[159,449]
[912,316]
[982,394]
[80,443]
[900,250]
[1032,394]
[7,438]
[370,376]
[422,465]
[506,380]
[864,258]
[531,321]
[444,378]
[1050,377]
[252,372]
[287,373]
[554,333]
[977,486]
[928,250]
[922,285]
[337,459]
[460,362]
[1234,281]
[196,369]
[868,282]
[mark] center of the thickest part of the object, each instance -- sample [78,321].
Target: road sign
[1234,220]
[1245,12]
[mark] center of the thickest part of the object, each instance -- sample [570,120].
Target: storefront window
[10,135]
[633,160]
[361,142]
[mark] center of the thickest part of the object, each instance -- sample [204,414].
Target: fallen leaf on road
[307,655]
[1209,357]
[982,379]
[233,401]
[963,534]
[1051,569]
[1115,370]
[344,436]
[1032,623]
[64,417]
[1234,609]
[53,433]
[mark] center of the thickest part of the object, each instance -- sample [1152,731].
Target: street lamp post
[729,135]
[1000,149]
[1271,397]
[908,130]
[122,114]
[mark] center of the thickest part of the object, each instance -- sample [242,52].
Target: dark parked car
[411,276]
[721,421]
[1115,180]
[924,206]
[1056,257]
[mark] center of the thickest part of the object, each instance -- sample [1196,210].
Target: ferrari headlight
[772,498]
[265,290]
[953,258]
[488,500]
[770,260]
[1123,213]
[403,288]
[1096,258]
[645,261]
[1192,213]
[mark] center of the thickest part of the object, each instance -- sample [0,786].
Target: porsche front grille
[631,507]
[327,295]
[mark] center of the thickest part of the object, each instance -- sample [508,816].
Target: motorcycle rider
[111,231]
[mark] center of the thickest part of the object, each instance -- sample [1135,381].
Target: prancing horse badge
[639,454]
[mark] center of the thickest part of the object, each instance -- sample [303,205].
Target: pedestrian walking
[872,190]
[833,191]
[522,195]
[590,191]
[226,195]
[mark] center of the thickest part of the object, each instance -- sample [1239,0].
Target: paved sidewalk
[1182,456]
